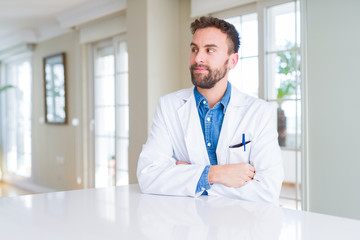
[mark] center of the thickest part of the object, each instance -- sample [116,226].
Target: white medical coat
[176,135]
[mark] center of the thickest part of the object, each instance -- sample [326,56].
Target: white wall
[163,50]
[333,39]
[184,44]
[57,149]
[153,39]
[136,14]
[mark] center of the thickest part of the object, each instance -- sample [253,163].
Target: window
[282,56]
[16,118]
[110,113]
[245,75]
[269,67]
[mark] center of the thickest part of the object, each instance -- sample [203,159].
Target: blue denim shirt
[211,122]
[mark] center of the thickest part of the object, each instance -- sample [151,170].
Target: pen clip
[243,141]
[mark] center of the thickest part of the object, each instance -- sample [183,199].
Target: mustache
[192,67]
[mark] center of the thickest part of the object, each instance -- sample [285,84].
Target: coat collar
[191,126]
[237,99]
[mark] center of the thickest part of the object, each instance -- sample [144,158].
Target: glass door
[110,113]
[17,119]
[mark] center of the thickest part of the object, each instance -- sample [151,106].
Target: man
[212,139]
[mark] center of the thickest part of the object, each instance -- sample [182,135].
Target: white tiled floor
[7,190]
[289,191]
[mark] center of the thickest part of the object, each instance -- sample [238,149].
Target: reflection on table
[124,213]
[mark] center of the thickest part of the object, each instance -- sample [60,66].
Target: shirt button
[204,102]
[209,144]
[208,119]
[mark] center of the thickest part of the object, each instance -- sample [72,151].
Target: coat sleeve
[267,160]
[157,171]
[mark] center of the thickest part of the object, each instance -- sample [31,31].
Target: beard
[211,78]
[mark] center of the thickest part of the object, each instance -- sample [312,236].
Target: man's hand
[181,162]
[231,175]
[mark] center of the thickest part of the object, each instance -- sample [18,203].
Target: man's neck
[215,94]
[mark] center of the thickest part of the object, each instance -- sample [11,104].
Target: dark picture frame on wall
[55,89]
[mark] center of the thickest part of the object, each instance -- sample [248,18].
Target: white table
[125,213]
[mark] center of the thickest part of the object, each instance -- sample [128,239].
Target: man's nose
[200,57]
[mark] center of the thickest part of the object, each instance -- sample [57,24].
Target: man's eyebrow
[207,45]
[211,45]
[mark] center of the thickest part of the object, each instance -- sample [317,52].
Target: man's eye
[210,50]
[194,50]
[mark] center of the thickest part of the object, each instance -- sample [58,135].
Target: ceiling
[23,15]
[34,21]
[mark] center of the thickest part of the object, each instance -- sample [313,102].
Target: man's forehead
[209,37]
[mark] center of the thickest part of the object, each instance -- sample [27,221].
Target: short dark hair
[223,26]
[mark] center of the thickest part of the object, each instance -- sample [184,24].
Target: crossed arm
[156,166]
[230,175]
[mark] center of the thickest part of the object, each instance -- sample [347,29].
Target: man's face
[209,60]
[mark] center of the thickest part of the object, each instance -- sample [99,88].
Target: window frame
[114,42]
[260,8]
[25,55]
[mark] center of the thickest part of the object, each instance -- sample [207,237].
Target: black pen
[239,145]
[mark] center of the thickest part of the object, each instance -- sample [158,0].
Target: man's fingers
[248,178]
[251,172]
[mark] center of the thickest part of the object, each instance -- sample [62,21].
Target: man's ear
[233,60]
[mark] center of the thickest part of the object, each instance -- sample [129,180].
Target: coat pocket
[238,155]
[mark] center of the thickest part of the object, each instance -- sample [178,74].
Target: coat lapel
[233,116]
[194,138]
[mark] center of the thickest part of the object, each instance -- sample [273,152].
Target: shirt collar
[224,101]
[226,98]
[198,97]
